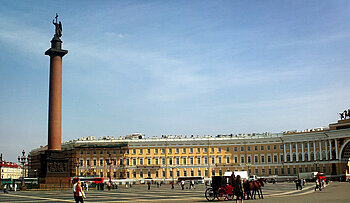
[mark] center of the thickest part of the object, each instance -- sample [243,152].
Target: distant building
[11,170]
[134,157]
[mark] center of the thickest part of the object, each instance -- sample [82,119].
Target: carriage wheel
[209,194]
[221,194]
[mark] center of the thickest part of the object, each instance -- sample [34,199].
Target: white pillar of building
[330,149]
[284,152]
[314,150]
[336,149]
[308,151]
[320,148]
[302,151]
[326,148]
[290,152]
[296,151]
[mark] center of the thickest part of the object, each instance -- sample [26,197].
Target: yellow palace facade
[135,158]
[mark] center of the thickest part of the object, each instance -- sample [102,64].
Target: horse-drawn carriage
[222,188]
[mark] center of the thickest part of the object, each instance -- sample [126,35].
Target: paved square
[335,192]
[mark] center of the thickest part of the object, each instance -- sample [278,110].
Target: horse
[258,184]
[249,189]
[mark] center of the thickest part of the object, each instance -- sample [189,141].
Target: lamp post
[110,166]
[23,159]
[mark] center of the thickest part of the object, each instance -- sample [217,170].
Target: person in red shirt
[80,195]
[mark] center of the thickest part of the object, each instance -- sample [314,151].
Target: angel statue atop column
[58,27]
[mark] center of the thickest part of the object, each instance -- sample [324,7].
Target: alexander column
[55,93]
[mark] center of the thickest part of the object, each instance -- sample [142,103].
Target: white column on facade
[296,151]
[284,152]
[320,148]
[326,148]
[302,151]
[308,151]
[290,152]
[314,150]
[336,148]
[330,149]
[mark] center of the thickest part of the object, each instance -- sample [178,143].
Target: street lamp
[23,159]
[110,166]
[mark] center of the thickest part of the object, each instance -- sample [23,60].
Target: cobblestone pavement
[335,192]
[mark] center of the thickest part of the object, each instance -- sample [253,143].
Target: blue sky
[173,67]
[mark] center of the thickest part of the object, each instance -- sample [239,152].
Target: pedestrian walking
[109,185]
[182,184]
[15,187]
[5,189]
[75,190]
[238,189]
[79,193]
[318,185]
[149,185]
[87,186]
[172,185]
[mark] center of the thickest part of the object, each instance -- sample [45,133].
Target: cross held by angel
[58,26]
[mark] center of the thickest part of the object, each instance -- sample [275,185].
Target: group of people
[299,183]
[10,187]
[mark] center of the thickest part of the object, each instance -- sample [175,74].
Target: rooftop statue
[58,27]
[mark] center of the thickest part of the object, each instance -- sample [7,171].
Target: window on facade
[256,171]
[156,161]
[141,161]
[170,151]
[134,161]
[171,161]
[81,152]
[191,150]
[205,150]
[148,151]
[270,171]
[288,171]
[227,159]
[198,160]
[163,173]
[177,150]
[219,159]
[88,162]
[275,158]
[148,161]
[282,171]
[262,148]
[192,173]
[177,161]
[236,159]
[227,149]
[183,150]
[274,147]
[127,161]
[156,151]
[101,162]
[300,169]
[281,146]
[114,152]
[95,162]
[163,161]
[256,148]
[134,174]
[249,159]
[141,151]
[191,161]
[199,173]
[263,171]
[219,150]
[235,149]
[205,160]
[248,148]
[212,150]
[133,151]
[170,173]
[268,147]
[121,162]
[268,158]
[94,152]
[242,149]
[256,159]
[213,172]
[163,150]
[242,159]
[288,157]
[178,173]
[294,171]
[157,174]
[282,158]
[276,171]
[220,172]
[185,173]
[184,161]
[127,151]
[141,174]
[149,174]
[262,159]
[87,151]
[107,152]
[206,173]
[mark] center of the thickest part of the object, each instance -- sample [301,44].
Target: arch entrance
[345,160]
